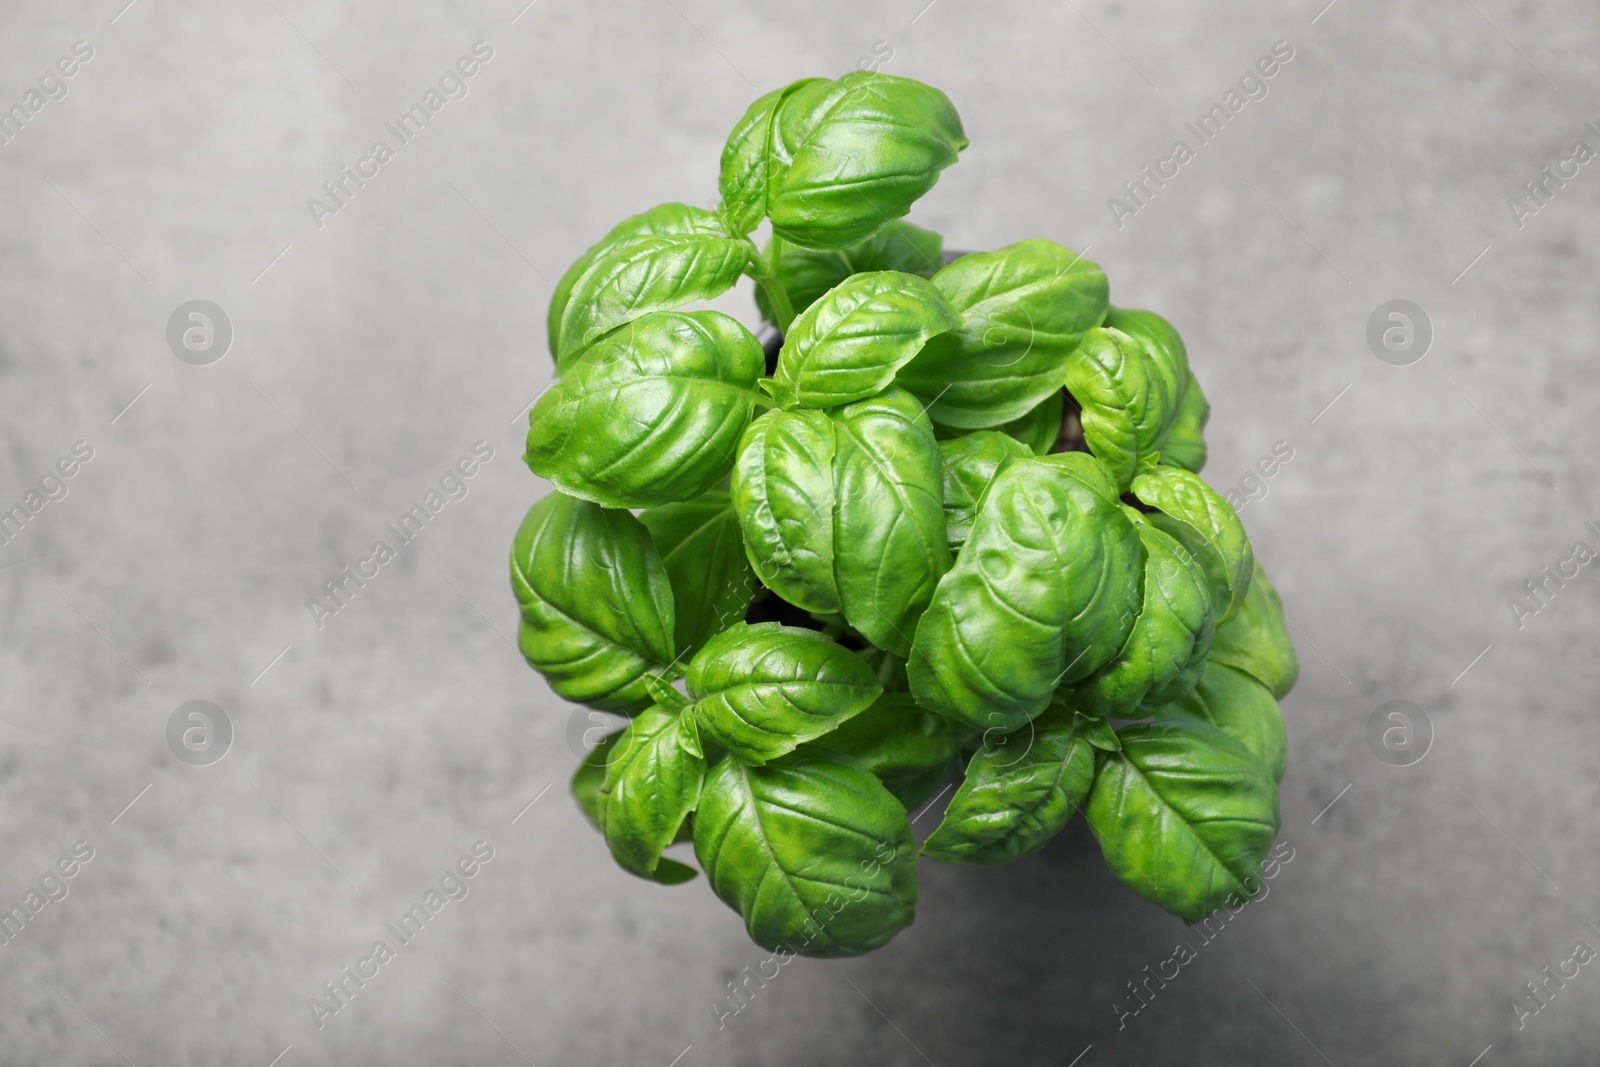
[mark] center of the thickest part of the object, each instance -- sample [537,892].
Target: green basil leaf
[910,749]
[1126,409]
[590,776]
[642,275]
[1240,707]
[711,580]
[1166,651]
[848,345]
[652,782]
[1206,526]
[760,690]
[1184,815]
[747,161]
[806,274]
[663,220]
[971,463]
[783,493]
[811,850]
[853,154]
[597,610]
[890,548]
[1043,593]
[651,414]
[1161,343]
[1256,640]
[1023,310]
[843,511]
[1018,792]
[1185,445]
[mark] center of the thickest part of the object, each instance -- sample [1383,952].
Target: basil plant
[951,526]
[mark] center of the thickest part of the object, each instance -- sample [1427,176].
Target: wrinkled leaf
[806,274]
[1206,526]
[1043,593]
[1185,445]
[1022,311]
[842,511]
[597,608]
[760,690]
[711,580]
[746,161]
[811,850]
[663,220]
[1184,815]
[850,155]
[1019,791]
[1166,651]
[909,748]
[1240,707]
[1126,409]
[652,782]
[1161,343]
[1256,640]
[848,345]
[645,274]
[971,463]
[651,414]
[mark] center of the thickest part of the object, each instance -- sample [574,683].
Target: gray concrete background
[380,347]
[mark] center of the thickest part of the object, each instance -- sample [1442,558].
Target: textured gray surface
[377,750]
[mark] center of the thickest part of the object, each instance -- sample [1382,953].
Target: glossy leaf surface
[595,599]
[1044,592]
[811,850]
[848,345]
[1022,311]
[1184,815]
[759,691]
[651,414]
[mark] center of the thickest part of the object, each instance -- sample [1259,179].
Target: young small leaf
[652,782]
[1126,407]
[1022,311]
[1207,527]
[848,345]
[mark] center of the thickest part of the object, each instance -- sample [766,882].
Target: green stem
[766,276]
